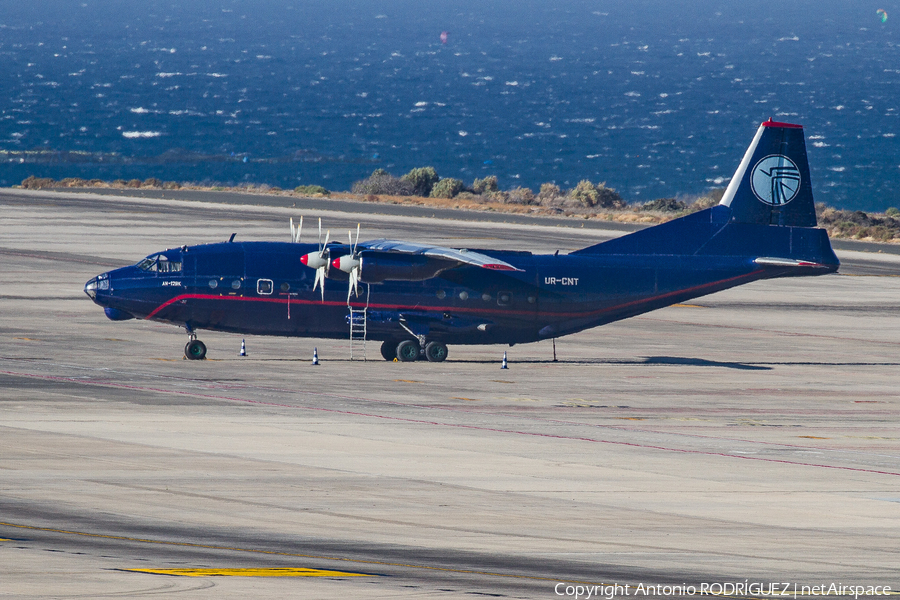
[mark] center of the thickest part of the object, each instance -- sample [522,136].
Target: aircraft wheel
[408,351]
[389,350]
[435,351]
[195,350]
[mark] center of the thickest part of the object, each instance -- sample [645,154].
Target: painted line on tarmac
[360,561]
[286,572]
[110,384]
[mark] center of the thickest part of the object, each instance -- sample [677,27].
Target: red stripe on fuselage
[419,307]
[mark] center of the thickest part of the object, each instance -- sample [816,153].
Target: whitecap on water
[140,134]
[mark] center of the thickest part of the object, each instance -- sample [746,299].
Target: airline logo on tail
[775,180]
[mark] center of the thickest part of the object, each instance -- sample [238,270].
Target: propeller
[295,233]
[318,260]
[351,264]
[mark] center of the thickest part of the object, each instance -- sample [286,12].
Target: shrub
[521,195]
[133,183]
[311,190]
[665,205]
[584,193]
[383,184]
[73,182]
[498,196]
[446,187]
[37,183]
[549,192]
[488,184]
[172,185]
[892,212]
[422,180]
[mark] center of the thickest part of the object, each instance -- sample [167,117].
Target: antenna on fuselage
[231,239]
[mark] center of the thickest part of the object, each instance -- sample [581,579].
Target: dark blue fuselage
[263,288]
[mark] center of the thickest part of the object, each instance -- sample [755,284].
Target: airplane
[418,298]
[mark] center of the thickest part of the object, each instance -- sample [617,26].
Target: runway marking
[286,572]
[813,437]
[5,540]
[573,438]
[407,381]
[289,554]
[466,399]
[501,381]
[689,306]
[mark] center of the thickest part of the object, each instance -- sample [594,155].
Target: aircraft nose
[97,284]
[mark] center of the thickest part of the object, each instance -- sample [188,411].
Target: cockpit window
[159,263]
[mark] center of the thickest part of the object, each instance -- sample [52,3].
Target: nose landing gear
[194,349]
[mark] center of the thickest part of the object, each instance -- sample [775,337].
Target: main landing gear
[412,350]
[194,349]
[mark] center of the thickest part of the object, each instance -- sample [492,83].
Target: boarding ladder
[358,330]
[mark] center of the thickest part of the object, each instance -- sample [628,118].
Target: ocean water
[657,99]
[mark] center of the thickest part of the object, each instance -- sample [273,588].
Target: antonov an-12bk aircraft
[417,298]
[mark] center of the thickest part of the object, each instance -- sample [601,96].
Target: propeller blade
[320,279]
[357,239]
[354,284]
[320,235]
[295,233]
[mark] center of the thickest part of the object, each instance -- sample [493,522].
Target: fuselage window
[503,298]
[264,286]
[168,266]
[159,263]
[148,264]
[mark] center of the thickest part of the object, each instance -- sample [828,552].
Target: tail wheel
[435,351]
[195,350]
[389,350]
[408,351]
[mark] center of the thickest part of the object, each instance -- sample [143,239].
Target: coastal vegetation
[586,200]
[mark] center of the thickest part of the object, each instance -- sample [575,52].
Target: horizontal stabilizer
[767,261]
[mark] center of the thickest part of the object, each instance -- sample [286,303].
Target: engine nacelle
[376,267]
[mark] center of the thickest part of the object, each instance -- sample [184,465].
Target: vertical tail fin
[771,186]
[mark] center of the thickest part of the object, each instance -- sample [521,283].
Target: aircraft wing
[405,261]
[462,257]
